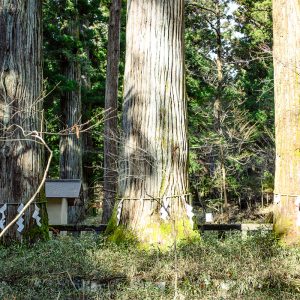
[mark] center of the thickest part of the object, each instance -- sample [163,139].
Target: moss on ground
[161,234]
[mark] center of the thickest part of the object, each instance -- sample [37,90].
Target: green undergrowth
[91,267]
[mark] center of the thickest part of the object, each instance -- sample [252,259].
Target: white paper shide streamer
[119,211]
[164,214]
[20,221]
[189,210]
[2,217]
[36,216]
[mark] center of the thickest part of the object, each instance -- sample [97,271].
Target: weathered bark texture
[154,162]
[21,167]
[70,144]
[286,16]
[111,111]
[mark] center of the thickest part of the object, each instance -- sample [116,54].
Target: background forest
[229,88]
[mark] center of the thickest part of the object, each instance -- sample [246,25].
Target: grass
[90,267]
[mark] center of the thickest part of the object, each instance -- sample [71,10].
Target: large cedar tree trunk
[21,159]
[286,16]
[111,111]
[70,141]
[153,166]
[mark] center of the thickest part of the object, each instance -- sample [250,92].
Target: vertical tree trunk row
[21,166]
[286,18]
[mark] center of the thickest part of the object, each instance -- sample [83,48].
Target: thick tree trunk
[286,16]
[70,143]
[153,171]
[21,166]
[111,108]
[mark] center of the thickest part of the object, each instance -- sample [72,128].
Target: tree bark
[218,111]
[86,138]
[154,169]
[86,24]
[286,20]
[111,111]
[70,143]
[21,158]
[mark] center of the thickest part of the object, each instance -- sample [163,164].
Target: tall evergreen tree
[21,157]
[286,18]
[70,143]
[111,109]
[71,139]
[153,182]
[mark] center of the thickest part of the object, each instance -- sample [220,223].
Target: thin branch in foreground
[33,134]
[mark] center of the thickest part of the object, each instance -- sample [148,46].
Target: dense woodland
[166,111]
[229,96]
[241,99]
[87,114]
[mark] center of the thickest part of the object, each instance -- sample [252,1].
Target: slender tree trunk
[153,172]
[21,159]
[70,144]
[286,16]
[218,103]
[86,136]
[111,108]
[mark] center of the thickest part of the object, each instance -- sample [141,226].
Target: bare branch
[35,135]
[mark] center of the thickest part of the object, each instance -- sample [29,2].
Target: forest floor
[90,267]
[253,214]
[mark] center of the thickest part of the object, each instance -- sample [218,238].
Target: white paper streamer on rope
[36,216]
[21,219]
[277,199]
[209,218]
[2,212]
[164,214]
[189,212]
[119,211]
[297,201]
